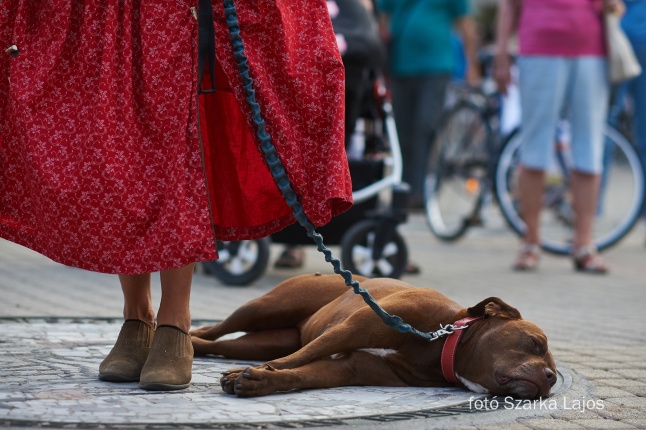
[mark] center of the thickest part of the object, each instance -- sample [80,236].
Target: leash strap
[283,183]
[451,346]
[205,45]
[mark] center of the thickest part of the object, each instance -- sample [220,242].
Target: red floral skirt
[109,160]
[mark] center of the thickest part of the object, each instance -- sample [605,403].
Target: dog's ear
[494,307]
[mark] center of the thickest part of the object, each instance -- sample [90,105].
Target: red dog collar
[451,345]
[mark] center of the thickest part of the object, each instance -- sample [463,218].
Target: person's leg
[589,100]
[169,364]
[542,85]
[405,99]
[430,105]
[137,300]
[292,257]
[131,350]
[174,309]
[355,87]
[585,189]
[530,188]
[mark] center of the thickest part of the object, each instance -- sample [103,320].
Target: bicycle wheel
[620,200]
[456,172]
[240,262]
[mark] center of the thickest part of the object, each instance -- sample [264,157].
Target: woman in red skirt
[111,162]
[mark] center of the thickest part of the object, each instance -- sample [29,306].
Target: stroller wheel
[358,246]
[240,262]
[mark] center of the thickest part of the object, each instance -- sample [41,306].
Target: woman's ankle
[182,322]
[146,316]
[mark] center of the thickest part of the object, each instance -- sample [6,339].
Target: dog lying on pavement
[314,332]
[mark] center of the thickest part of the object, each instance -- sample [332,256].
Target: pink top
[568,28]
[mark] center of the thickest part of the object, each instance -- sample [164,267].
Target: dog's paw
[255,381]
[228,379]
[202,347]
[208,332]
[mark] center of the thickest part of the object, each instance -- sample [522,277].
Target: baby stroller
[367,233]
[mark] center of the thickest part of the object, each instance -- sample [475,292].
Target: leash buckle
[445,330]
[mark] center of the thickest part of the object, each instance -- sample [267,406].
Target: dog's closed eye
[538,346]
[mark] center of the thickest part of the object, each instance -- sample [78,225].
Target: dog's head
[504,354]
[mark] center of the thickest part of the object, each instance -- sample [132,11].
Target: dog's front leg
[354,368]
[362,330]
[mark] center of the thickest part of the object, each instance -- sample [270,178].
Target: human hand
[502,71]
[615,7]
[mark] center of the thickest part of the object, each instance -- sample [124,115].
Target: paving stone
[610,365]
[513,426]
[628,401]
[639,363]
[608,392]
[602,424]
[622,383]
[576,413]
[638,390]
[550,424]
[591,373]
[638,374]
[616,412]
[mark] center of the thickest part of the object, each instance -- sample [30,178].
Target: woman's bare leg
[530,189]
[131,350]
[174,308]
[169,365]
[585,192]
[137,298]
[531,184]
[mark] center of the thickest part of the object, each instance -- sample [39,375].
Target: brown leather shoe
[170,362]
[129,354]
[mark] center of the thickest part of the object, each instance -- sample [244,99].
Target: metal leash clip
[444,330]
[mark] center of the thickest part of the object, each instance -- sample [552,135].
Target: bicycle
[461,166]
[471,159]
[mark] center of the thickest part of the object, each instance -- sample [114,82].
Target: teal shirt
[420,32]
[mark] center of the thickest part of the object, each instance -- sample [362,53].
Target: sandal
[527,259]
[586,259]
[292,257]
[412,269]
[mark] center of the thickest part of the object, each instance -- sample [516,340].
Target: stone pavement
[56,323]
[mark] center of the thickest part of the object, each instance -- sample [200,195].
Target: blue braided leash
[278,172]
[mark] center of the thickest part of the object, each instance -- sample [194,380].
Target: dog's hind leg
[289,303]
[262,346]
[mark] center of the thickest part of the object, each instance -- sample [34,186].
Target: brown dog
[317,334]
